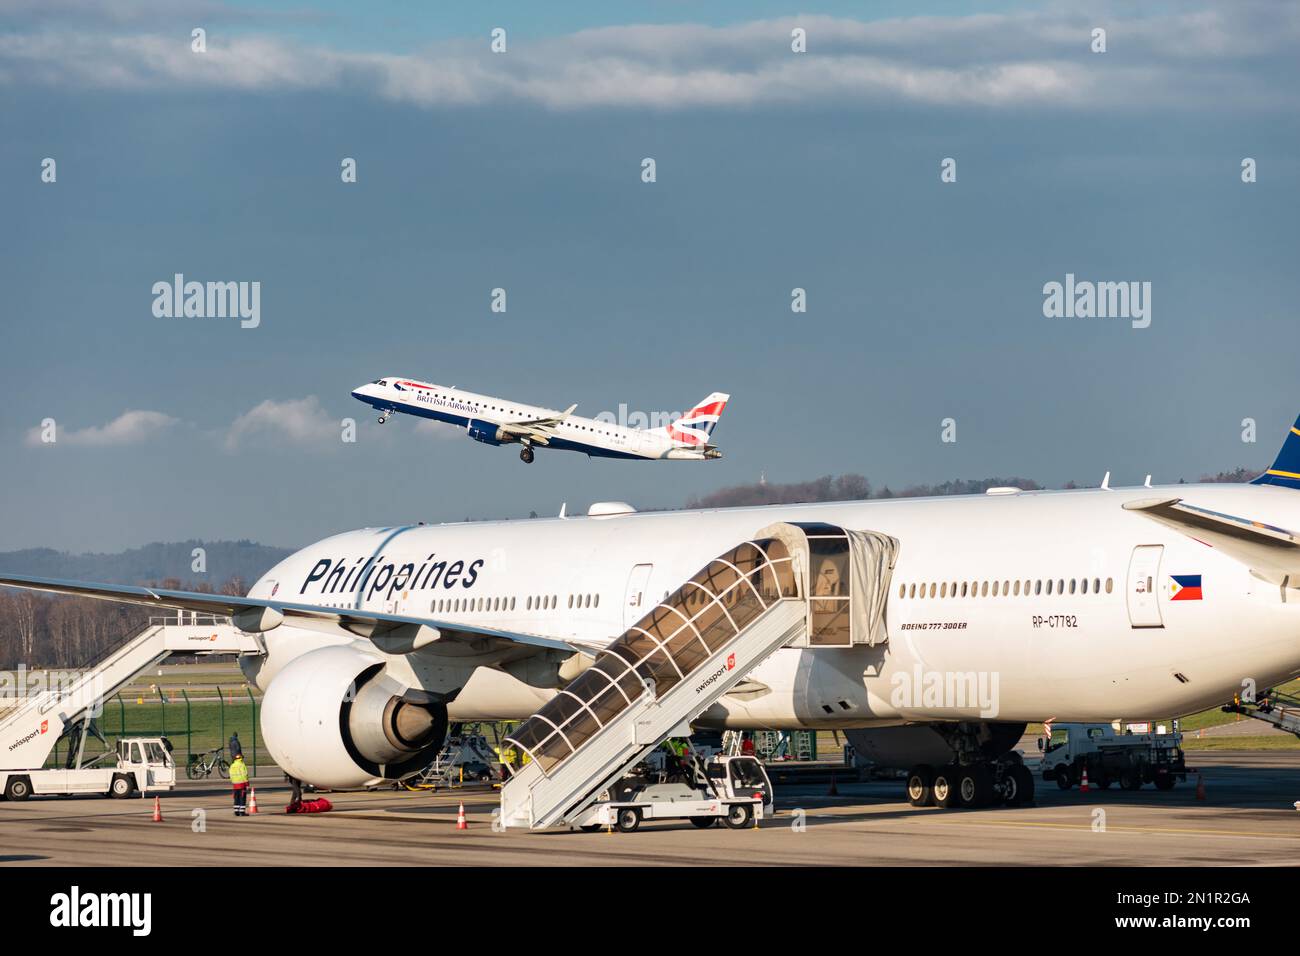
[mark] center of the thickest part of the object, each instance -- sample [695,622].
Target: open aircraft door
[1143,591]
[846,575]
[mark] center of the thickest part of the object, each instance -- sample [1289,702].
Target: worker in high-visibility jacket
[239,780]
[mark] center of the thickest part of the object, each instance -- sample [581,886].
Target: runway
[1247,818]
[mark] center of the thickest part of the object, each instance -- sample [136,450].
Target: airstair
[40,714]
[687,653]
[1273,707]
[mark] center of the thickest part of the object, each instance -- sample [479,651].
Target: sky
[522,170]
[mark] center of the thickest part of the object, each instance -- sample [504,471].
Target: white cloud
[129,428]
[299,421]
[1193,59]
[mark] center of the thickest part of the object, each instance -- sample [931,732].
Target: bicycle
[202,765]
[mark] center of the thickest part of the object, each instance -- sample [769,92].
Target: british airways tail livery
[498,421]
[978,615]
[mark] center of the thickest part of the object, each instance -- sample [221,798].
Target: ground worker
[239,781]
[236,748]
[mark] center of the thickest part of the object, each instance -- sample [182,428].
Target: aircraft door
[636,604]
[1143,591]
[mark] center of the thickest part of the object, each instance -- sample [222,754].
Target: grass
[210,725]
[1275,742]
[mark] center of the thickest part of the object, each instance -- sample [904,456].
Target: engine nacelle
[486,432]
[333,718]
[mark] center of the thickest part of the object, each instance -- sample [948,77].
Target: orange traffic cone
[460,817]
[1083,784]
[834,790]
[252,799]
[157,810]
[1200,786]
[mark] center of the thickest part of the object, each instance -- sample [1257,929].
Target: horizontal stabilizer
[1272,553]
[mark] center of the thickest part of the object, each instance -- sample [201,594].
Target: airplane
[498,421]
[1078,605]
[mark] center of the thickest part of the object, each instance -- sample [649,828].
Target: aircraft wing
[539,430]
[1272,553]
[391,633]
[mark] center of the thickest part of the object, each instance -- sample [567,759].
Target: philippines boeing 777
[498,421]
[1087,605]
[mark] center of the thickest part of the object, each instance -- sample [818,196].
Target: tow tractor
[733,789]
[143,764]
[1131,759]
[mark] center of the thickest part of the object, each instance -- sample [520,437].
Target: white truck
[143,764]
[733,789]
[1129,759]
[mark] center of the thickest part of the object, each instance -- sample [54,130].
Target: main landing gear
[526,455]
[983,773]
[983,784]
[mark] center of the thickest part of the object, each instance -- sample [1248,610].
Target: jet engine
[486,432]
[333,718]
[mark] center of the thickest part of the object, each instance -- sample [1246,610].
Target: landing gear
[526,455]
[975,786]
[945,788]
[383,418]
[920,786]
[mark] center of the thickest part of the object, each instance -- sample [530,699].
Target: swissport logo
[45,725]
[712,678]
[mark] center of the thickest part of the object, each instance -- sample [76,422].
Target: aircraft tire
[920,785]
[945,788]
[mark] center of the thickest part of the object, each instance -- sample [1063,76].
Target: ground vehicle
[143,764]
[733,789]
[1128,759]
[202,765]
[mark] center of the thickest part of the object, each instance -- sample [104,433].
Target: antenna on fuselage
[1105,482]
[1147,483]
[563,507]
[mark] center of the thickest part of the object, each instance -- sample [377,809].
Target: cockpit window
[379,381]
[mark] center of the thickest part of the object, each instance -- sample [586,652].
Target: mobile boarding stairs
[31,723]
[800,584]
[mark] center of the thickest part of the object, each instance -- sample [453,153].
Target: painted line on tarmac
[1124,828]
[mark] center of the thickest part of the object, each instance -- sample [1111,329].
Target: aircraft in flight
[499,421]
[979,614]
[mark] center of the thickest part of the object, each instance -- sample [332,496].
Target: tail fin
[695,427]
[1286,470]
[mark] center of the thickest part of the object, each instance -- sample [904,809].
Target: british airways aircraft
[497,421]
[1079,605]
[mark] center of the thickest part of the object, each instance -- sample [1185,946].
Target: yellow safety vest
[239,772]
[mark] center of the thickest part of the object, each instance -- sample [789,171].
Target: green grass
[207,729]
[1275,742]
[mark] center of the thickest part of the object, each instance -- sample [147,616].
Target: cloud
[1236,57]
[129,428]
[299,421]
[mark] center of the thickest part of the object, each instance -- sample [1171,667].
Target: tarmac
[1247,818]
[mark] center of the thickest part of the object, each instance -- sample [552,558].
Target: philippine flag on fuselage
[1186,587]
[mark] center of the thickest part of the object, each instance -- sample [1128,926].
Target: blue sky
[521,170]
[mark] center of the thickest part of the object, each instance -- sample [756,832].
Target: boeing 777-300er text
[979,614]
[497,421]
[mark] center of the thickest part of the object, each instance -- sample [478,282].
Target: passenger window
[1109,583]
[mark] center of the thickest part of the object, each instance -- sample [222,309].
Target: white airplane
[497,421]
[1085,605]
